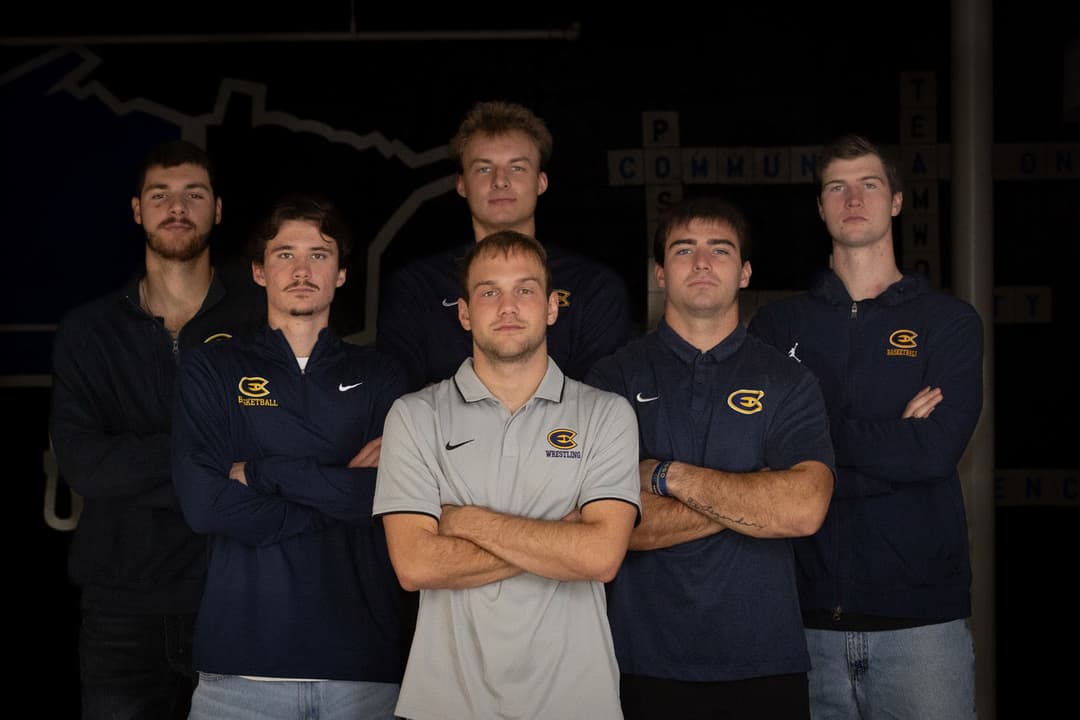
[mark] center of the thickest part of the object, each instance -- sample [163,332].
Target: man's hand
[368,455]
[236,472]
[923,403]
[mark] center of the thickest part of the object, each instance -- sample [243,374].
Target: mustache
[173,221]
[302,283]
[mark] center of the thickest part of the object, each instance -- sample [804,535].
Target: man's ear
[258,274]
[463,314]
[553,307]
[136,210]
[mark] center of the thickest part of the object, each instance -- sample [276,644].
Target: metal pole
[973,280]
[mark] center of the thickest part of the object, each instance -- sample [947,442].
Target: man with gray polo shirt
[508,494]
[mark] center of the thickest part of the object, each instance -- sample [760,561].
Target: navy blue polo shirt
[418,315]
[724,607]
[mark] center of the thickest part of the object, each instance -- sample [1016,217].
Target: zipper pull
[854,309]
[836,614]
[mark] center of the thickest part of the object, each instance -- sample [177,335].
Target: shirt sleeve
[213,502]
[800,430]
[612,470]
[924,450]
[99,461]
[341,492]
[409,474]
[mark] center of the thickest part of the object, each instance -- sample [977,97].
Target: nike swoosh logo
[455,447]
[642,398]
[345,388]
[447,303]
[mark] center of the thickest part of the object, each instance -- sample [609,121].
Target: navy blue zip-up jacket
[894,543]
[299,583]
[418,315]
[114,367]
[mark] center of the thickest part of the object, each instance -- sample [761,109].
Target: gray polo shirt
[527,646]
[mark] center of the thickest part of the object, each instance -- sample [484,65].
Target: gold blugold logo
[903,343]
[746,402]
[564,297]
[562,439]
[254,386]
[217,336]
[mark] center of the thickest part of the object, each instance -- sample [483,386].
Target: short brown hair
[705,208]
[849,147]
[308,207]
[506,242]
[497,117]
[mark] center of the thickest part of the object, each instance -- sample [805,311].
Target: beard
[509,352]
[183,250]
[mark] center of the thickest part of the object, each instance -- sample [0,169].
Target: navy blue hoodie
[895,542]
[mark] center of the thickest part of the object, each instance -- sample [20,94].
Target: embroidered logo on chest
[746,402]
[903,344]
[254,391]
[562,439]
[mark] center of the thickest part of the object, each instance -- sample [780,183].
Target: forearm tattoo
[720,517]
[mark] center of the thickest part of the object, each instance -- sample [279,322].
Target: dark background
[84,92]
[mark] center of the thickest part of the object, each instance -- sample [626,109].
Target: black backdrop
[366,122]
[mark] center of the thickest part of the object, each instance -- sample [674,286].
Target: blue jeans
[135,666]
[920,673]
[231,697]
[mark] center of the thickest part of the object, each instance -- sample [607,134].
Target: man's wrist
[659,478]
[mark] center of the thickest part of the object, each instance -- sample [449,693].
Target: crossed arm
[702,502]
[471,546]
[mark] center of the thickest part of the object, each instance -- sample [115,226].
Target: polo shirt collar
[688,353]
[471,389]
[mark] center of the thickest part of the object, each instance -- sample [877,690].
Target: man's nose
[178,205]
[301,268]
[500,179]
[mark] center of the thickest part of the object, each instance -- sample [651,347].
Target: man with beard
[508,493]
[140,567]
